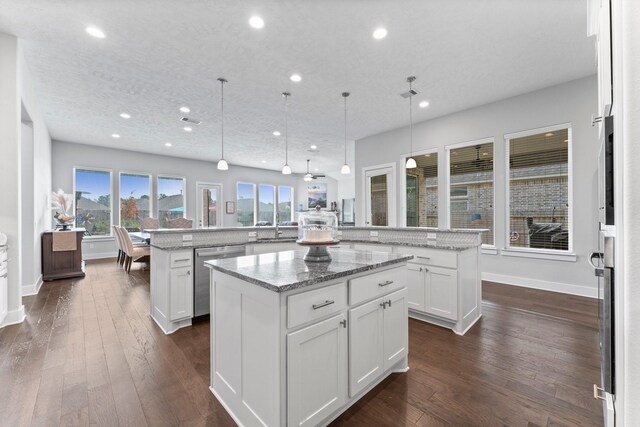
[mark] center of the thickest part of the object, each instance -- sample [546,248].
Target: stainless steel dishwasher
[201,277]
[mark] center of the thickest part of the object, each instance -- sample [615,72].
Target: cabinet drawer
[307,306]
[428,256]
[371,286]
[180,259]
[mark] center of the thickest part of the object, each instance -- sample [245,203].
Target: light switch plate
[253,234]
[373,234]
[187,237]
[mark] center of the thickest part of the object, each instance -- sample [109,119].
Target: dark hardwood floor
[88,353]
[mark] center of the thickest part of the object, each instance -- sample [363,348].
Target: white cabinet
[441,292]
[379,337]
[415,286]
[181,289]
[317,371]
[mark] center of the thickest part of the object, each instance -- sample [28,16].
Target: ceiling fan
[309,176]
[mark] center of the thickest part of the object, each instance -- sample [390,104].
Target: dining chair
[149,224]
[116,234]
[133,252]
[181,223]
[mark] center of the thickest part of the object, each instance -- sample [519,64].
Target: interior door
[379,190]
[209,200]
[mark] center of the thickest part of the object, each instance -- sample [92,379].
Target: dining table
[140,236]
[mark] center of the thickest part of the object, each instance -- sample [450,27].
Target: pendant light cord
[286,127]
[222,115]
[410,120]
[345,130]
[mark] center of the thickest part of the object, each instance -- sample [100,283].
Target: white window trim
[292,201]
[151,201]
[275,201]
[222,213]
[553,254]
[403,182]
[90,168]
[392,187]
[255,201]
[184,192]
[447,171]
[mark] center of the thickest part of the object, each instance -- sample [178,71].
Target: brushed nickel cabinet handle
[343,323]
[324,304]
[383,305]
[389,302]
[387,283]
[422,257]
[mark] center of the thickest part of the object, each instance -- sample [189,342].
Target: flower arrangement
[62,203]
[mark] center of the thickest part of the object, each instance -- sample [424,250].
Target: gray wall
[68,155]
[572,102]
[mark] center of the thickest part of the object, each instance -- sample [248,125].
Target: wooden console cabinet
[63,264]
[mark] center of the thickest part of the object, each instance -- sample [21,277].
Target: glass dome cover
[317,227]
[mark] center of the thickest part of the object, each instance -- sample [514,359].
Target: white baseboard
[99,255]
[13,317]
[525,282]
[32,289]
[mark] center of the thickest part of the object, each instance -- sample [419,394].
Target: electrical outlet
[373,234]
[431,236]
[253,234]
[187,237]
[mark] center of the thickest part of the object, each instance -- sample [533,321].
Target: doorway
[209,203]
[379,196]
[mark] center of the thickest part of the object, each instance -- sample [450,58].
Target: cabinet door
[316,371]
[415,286]
[365,345]
[181,293]
[396,328]
[442,292]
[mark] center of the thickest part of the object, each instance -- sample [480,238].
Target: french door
[209,204]
[379,199]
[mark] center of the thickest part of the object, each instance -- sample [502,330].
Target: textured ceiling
[161,54]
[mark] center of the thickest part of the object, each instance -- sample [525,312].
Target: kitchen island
[296,343]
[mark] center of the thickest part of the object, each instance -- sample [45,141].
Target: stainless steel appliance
[201,277]
[603,262]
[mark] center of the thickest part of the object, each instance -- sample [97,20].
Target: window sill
[541,254]
[489,250]
[99,238]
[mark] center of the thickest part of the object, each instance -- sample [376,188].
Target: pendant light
[411,162]
[308,177]
[286,169]
[346,170]
[222,164]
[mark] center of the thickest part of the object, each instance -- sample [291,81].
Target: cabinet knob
[189,273]
[389,302]
[344,323]
[383,305]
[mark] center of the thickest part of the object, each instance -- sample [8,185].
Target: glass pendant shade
[223,165]
[346,170]
[286,170]
[411,163]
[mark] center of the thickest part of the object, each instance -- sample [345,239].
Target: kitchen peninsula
[443,278]
[296,343]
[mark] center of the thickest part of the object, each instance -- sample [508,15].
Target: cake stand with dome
[317,230]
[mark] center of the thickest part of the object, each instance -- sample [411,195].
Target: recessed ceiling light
[380,33]
[263,161]
[125,115]
[185,109]
[314,147]
[256,22]
[276,133]
[115,135]
[295,78]
[95,32]
[548,134]
[168,144]
[187,129]
[424,104]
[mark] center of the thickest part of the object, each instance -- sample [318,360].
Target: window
[471,187]
[285,204]
[266,204]
[171,204]
[246,206]
[92,190]
[135,202]
[538,188]
[422,191]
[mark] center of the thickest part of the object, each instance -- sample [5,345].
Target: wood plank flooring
[89,354]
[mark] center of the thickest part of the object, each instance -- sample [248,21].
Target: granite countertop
[287,270]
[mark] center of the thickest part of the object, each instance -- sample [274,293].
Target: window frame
[255,201]
[292,201]
[403,182]
[184,193]
[91,168]
[539,252]
[466,144]
[151,204]
[275,202]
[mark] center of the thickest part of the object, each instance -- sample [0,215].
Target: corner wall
[572,102]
